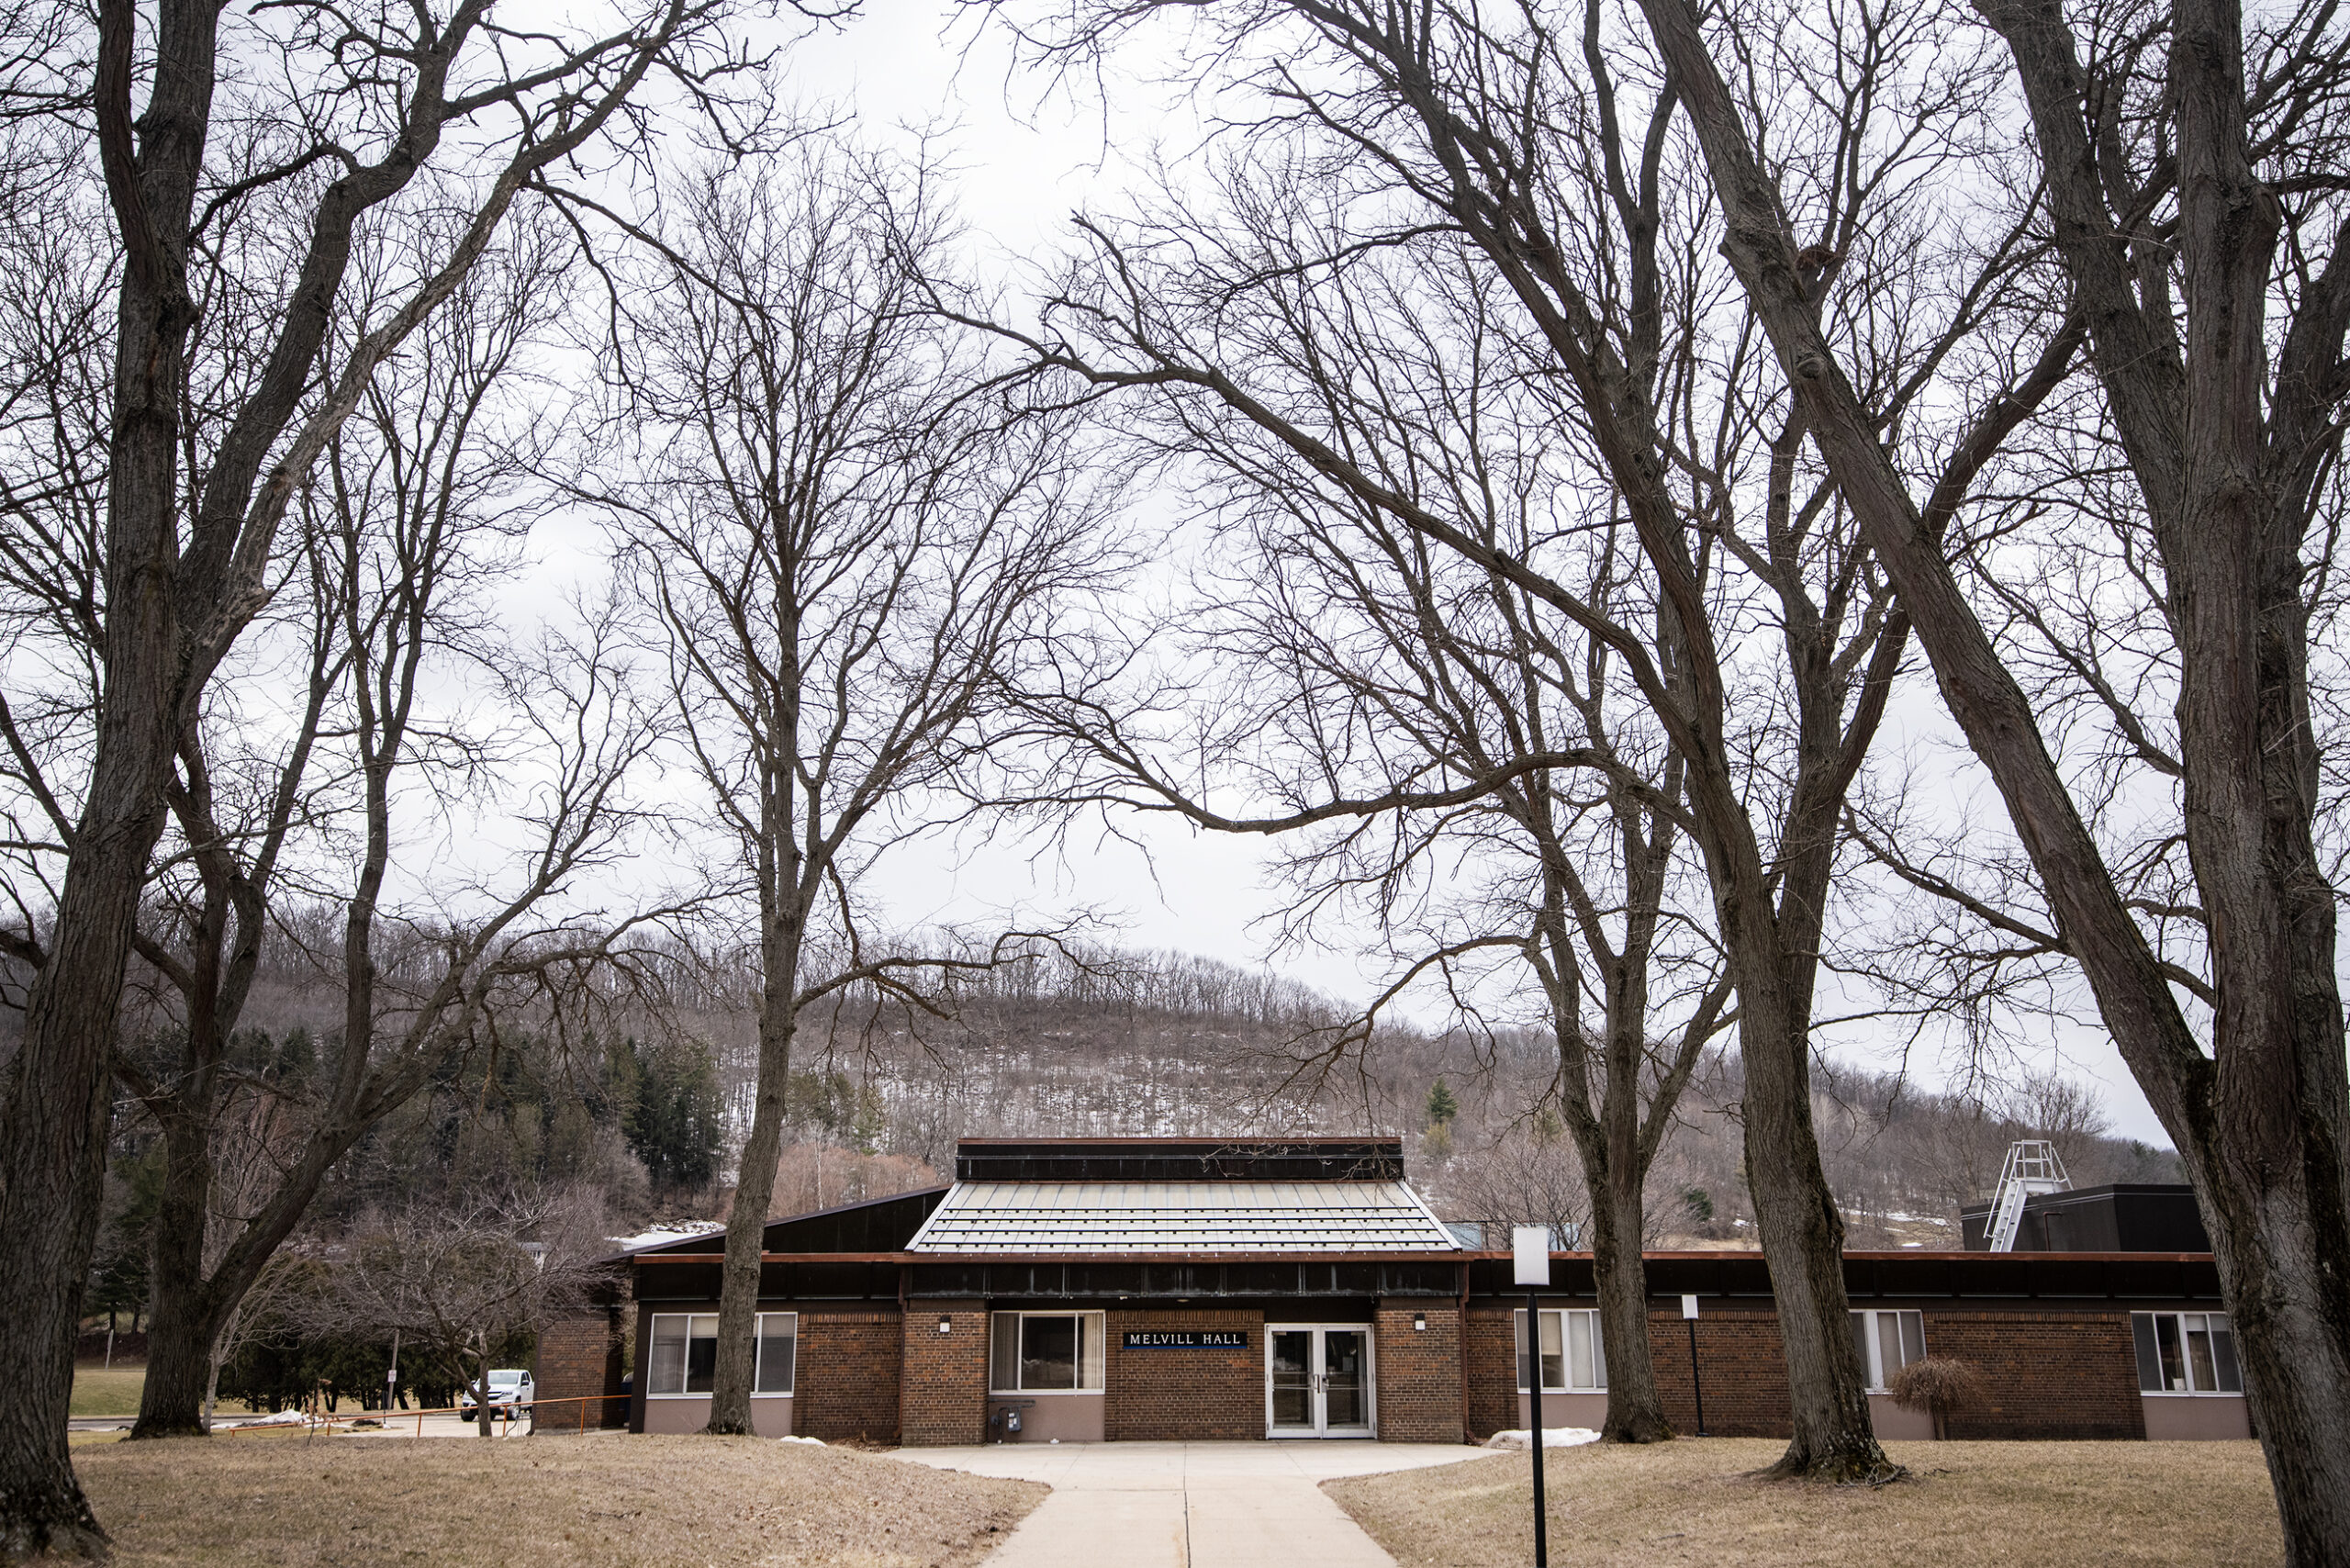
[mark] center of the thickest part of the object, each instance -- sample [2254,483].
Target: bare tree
[2192,182]
[402,541]
[844,549]
[461,1287]
[238,194]
[1449,764]
[1473,125]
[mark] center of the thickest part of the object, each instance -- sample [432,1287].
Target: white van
[510,1392]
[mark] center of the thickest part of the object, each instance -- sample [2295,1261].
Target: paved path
[1189,1505]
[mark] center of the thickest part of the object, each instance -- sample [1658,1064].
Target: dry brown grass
[610,1502]
[1969,1506]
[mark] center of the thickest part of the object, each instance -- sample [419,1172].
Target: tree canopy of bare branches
[846,549]
[233,201]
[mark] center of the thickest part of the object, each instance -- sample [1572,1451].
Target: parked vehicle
[510,1392]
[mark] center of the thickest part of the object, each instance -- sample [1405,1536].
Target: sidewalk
[1189,1505]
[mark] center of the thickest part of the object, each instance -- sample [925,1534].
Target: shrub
[1938,1385]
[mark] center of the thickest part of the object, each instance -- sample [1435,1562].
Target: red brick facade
[1185,1396]
[1490,1344]
[579,1358]
[943,1398]
[846,1382]
[1418,1371]
[1743,1372]
[2051,1375]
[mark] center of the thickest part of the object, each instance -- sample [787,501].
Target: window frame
[1096,1362]
[759,1336]
[759,1353]
[1871,1346]
[1589,1316]
[2220,1347]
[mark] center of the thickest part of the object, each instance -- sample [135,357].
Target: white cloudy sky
[1024,159]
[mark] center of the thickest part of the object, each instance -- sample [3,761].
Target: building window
[1574,1361]
[685,1353]
[2186,1352]
[778,1352]
[1046,1352]
[1887,1341]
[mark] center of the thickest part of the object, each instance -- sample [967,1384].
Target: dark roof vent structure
[2124,1217]
[1180,1159]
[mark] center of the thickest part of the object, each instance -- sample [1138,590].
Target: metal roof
[1181,1216]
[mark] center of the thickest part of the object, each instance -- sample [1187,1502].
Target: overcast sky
[1024,158]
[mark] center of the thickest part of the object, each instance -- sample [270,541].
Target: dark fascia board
[1972,1259]
[1180,1159]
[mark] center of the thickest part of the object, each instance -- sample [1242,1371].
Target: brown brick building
[1109,1289]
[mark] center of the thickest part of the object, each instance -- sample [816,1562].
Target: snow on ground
[1552,1438]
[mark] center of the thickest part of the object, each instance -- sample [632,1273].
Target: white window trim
[2188,1361]
[1099,1327]
[1874,1372]
[1566,1350]
[758,1350]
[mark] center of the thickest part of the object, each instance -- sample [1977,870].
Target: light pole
[1530,1249]
[1689,1315]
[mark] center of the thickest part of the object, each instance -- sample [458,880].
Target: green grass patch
[107,1391]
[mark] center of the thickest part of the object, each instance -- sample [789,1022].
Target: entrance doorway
[1317,1381]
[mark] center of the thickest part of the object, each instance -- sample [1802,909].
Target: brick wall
[846,1382]
[2051,1375]
[943,1394]
[1490,1343]
[1419,1373]
[578,1358]
[1185,1396]
[1742,1367]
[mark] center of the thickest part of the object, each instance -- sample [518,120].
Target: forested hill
[639,1118]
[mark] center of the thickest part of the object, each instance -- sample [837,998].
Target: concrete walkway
[1189,1505]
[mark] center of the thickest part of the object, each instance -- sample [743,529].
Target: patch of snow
[283,1418]
[1552,1438]
[675,1231]
[817,1442]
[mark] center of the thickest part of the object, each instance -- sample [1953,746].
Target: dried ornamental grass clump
[1939,1385]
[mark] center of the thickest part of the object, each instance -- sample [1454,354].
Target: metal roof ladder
[2032,1168]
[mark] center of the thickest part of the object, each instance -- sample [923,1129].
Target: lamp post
[1530,1249]
[1689,1315]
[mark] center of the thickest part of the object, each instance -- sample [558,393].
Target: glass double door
[1317,1381]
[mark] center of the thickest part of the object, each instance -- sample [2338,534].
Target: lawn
[107,1391]
[1969,1506]
[613,1501]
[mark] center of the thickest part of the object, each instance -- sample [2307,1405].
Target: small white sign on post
[1530,1248]
[1689,1307]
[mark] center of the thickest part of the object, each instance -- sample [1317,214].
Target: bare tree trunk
[212,1361]
[179,1338]
[60,1091]
[746,1223]
[2264,1128]
[1635,1408]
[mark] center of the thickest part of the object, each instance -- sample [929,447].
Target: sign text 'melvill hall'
[1187,1339]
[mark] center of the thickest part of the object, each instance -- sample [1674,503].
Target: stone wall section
[846,1384]
[1166,1396]
[943,1399]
